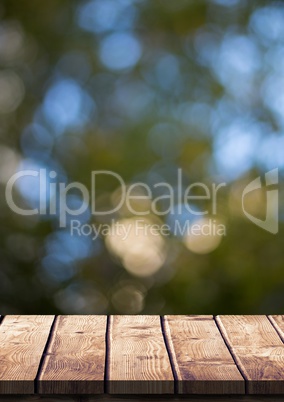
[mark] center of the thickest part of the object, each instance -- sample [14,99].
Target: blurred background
[141,88]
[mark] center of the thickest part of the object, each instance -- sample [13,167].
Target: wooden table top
[120,355]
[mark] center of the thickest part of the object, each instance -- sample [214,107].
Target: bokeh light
[143,89]
[142,250]
[12,91]
[66,105]
[120,51]
[205,238]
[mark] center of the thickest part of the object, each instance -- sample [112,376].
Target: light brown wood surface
[278,323]
[138,361]
[75,359]
[123,357]
[258,351]
[202,361]
[22,342]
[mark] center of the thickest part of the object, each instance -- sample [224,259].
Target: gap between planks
[274,325]
[138,362]
[258,351]
[202,360]
[22,339]
[44,354]
[75,358]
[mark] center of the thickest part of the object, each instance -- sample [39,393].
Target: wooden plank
[75,359]
[278,323]
[258,351]
[138,361]
[22,339]
[201,359]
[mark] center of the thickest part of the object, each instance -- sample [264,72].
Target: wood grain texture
[75,359]
[202,361]
[278,323]
[138,361]
[137,398]
[22,342]
[258,351]
[73,365]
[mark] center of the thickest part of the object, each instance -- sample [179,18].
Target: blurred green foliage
[141,88]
